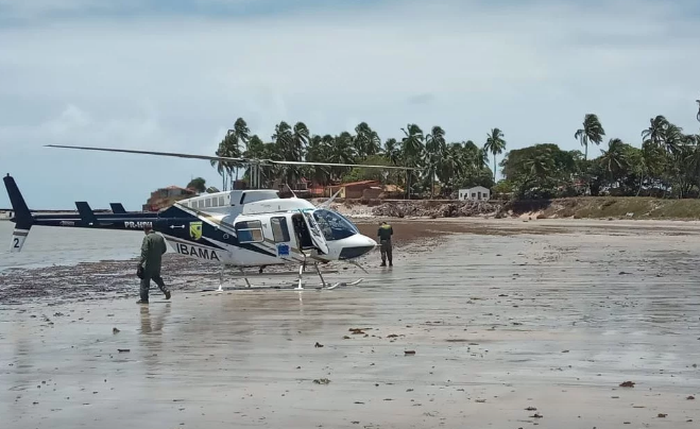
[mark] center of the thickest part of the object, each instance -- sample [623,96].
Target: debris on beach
[627,384]
[439,210]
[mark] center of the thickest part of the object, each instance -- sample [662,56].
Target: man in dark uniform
[384,233]
[152,249]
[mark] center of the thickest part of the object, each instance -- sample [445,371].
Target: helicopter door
[301,232]
[316,234]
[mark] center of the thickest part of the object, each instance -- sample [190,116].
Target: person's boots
[167,294]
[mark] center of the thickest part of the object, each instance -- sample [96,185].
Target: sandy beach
[481,323]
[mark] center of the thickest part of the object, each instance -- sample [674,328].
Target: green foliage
[503,187]
[667,163]
[592,131]
[359,174]
[495,145]
[198,184]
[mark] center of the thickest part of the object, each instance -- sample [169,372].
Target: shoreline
[75,281]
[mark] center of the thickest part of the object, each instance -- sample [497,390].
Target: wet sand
[502,316]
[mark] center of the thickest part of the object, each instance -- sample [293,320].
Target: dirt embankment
[577,208]
[606,207]
[437,209]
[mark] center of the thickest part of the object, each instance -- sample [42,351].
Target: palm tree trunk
[494,168]
[641,183]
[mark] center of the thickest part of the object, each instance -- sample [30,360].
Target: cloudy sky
[173,75]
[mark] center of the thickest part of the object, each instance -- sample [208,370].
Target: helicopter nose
[356,246]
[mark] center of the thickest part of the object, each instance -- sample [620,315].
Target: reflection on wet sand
[500,325]
[151,338]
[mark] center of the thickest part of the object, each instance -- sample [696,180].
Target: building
[353,189]
[165,197]
[477,193]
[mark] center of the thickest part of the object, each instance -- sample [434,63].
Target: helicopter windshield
[333,225]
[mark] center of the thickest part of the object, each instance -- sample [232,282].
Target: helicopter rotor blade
[148,152]
[332,164]
[257,161]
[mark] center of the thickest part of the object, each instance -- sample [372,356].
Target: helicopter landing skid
[298,283]
[324,285]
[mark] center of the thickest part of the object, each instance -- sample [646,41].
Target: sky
[174,75]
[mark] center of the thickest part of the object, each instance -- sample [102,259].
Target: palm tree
[341,151]
[540,165]
[413,150]
[220,166]
[318,151]
[228,147]
[241,133]
[592,131]
[286,149]
[655,133]
[673,138]
[366,141]
[614,159]
[392,152]
[495,144]
[435,148]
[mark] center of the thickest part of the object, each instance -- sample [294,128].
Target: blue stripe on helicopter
[180,224]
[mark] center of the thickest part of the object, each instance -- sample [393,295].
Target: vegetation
[608,207]
[452,165]
[667,163]
[198,184]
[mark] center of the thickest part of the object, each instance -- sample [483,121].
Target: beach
[499,323]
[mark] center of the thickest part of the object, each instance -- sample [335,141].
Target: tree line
[667,163]
[443,166]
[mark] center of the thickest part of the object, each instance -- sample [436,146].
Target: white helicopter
[239,228]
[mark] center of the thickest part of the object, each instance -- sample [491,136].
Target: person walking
[152,249]
[384,233]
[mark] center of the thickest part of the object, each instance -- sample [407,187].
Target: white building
[477,193]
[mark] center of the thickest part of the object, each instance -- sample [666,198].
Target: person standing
[152,249]
[384,233]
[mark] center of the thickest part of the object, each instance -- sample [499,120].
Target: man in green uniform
[152,249]
[385,232]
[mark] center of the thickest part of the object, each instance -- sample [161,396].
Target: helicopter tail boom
[23,217]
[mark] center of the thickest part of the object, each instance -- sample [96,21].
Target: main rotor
[255,164]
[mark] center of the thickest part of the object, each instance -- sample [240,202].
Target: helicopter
[240,228]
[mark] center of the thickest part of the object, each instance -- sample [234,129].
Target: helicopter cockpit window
[333,225]
[249,231]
